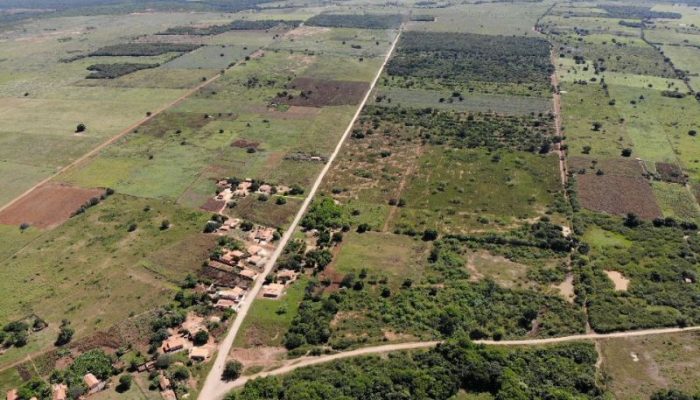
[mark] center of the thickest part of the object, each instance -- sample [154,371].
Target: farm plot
[617,195]
[49,206]
[676,201]
[310,92]
[652,289]
[365,21]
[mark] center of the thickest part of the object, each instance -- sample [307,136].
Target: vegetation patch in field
[364,21]
[111,71]
[238,25]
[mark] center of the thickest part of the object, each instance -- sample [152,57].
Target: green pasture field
[10,379]
[676,201]
[565,26]
[337,41]
[581,106]
[94,272]
[486,18]
[662,362]
[452,188]
[211,57]
[16,178]
[266,324]
[267,212]
[501,104]
[14,239]
[569,71]
[382,255]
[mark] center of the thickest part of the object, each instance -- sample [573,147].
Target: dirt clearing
[621,283]
[48,205]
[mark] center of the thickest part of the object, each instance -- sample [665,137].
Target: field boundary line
[212,385]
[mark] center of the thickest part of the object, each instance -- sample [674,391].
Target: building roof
[253,249]
[232,294]
[248,273]
[168,395]
[199,352]
[286,274]
[163,382]
[173,343]
[220,266]
[91,380]
[225,303]
[12,394]
[59,392]
[273,290]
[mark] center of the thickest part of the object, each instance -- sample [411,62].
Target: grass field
[268,319]
[635,368]
[382,255]
[119,281]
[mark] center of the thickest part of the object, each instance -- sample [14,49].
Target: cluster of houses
[59,391]
[228,191]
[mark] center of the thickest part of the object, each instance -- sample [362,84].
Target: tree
[632,220]
[232,370]
[597,125]
[124,383]
[281,201]
[626,152]
[430,234]
[80,128]
[201,338]
[165,224]
[65,334]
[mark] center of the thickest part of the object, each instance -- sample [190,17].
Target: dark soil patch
[48,205]
[244,144]
[671,173]
[618,195]
[310,92]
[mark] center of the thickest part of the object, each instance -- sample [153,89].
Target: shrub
[232,370]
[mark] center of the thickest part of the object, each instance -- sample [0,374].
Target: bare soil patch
[48,206]
[258,356]
[618,195]
[213,205]
[321,92]
[566,288]
[244,144]
[671,173]
[621,283]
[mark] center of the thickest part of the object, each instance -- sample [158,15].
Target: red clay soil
[321,92]
[213,205]
[618,195]
[244,144]
[48,206]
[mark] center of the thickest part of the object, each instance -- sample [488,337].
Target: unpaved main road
[291,365]
[213,386]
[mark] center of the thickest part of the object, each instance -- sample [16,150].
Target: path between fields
[213,384]
[120,135]
[292,365]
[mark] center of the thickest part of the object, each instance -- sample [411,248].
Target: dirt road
[213,383]
[291,365]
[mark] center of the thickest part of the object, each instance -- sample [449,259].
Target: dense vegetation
[144,49]
[466,56]
[364,21]
[636,12]
[238,25]
[527,133]
[558,372]
[661,260]
[111,71]
[443,304]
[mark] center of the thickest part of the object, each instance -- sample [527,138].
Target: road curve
[291,365]
[213,384]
